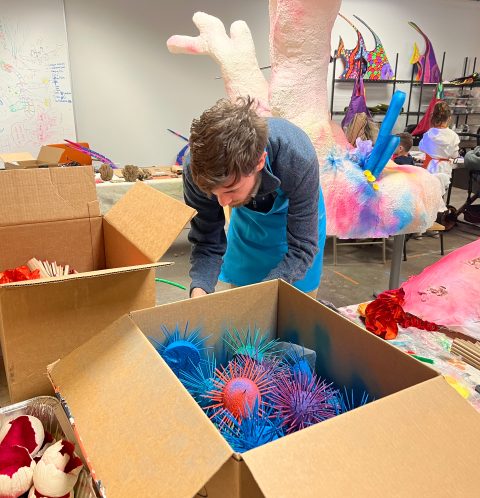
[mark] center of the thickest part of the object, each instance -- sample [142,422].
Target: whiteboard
[35,89]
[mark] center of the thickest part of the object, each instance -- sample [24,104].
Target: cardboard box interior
[158,433]
[53,214]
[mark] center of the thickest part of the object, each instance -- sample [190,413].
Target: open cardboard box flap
[83,275]
[50,194]
[411,443]
[49,155]
[159,440]
[149,219]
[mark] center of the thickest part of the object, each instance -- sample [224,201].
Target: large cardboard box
[48,157]
[54,214]
[145,435]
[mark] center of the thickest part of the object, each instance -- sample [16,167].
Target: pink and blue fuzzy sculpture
[181,351]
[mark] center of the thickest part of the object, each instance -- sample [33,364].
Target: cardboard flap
[149,219]
[86,274]
[50,155]
[144,434]
[12,157]
[413,443]
[50,194]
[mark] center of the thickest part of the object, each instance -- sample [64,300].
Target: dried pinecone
[106,172]
[130,173]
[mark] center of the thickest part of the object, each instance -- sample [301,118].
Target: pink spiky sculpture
[240,386]
[407,198]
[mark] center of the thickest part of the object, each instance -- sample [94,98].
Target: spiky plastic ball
[248,343]
[251,431]
[181,351]
[238,387]
[303,401]
[199,379]
[349,400]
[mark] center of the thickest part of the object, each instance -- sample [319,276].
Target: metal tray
[50,412]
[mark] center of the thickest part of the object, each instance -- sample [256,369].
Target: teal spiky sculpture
[248,343]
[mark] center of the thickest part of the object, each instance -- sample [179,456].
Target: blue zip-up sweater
[295,170]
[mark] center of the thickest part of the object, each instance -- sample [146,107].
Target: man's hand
[197,292]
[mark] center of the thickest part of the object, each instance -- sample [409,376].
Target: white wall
[128,88]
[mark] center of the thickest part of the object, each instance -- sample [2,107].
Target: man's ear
[261,163]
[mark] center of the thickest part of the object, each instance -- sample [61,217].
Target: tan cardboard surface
[150,219]
[49,155]
[50,194]
[421,442]
[78,243]
[346,352]
[45,320]
[16,156]
[216,312]
[145,435]
[119,251]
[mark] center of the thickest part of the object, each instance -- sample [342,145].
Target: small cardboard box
[48,157]
[54,214]
[145,435]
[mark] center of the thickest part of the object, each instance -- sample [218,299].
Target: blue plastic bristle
[182,351]
[349,400]
[297,362]
[251,431]
[199,380]
[248,343]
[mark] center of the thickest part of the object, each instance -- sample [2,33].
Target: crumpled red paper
[385,314]
[18,274]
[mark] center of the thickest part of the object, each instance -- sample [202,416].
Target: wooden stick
[470,347]
[466,356]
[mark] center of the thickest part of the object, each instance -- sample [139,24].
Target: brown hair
[406,140]
[226,143]
[441,114]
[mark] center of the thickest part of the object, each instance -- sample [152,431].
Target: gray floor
[359,271]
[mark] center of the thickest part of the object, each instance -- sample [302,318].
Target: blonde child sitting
[440,144]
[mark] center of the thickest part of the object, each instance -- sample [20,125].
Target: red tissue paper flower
[16,471]
[57,471]
[384,314]
[18,275]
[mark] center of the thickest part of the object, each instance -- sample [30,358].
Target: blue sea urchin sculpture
[302,401]
[251,431]
[249,343]
[181,351]
[349,400]
[199,379]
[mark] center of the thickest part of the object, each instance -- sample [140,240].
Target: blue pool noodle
[384,135]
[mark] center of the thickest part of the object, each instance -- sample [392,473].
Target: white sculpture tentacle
[300,56]
[235,54]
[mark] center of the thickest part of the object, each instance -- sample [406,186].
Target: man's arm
[207,235]
[302,223]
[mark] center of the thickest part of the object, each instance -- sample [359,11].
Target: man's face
[239,193]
